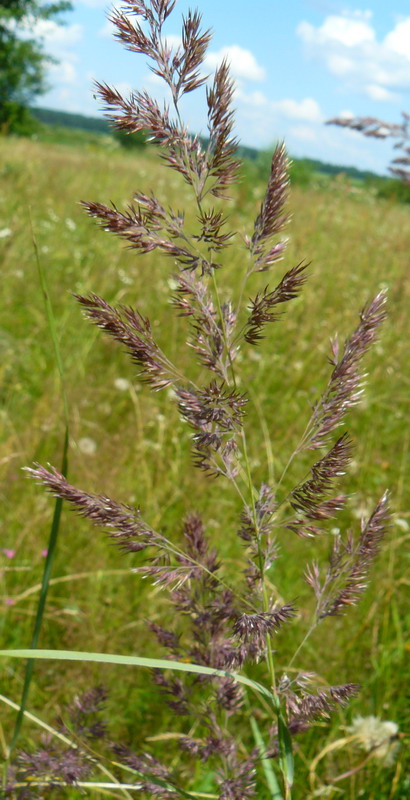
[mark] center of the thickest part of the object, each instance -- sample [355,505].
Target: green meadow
[129,443]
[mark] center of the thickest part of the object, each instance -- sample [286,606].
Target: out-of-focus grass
[138,450]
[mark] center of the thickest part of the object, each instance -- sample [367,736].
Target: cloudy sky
[296,64]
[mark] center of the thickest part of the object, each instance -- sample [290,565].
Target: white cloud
[58,41]
[376,92]
[104,4]
[304,133]
[56,35]
[348,31]
[307,109]
[340,65]
[242,62]
[173,40]
[398,40]
[349,47]
[63,72]
[346,114]
[107,29]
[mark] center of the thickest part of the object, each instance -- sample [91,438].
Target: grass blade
[270,776]
[135,661]
[285,750]
[55,524]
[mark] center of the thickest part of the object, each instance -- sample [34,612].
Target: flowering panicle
[220,621]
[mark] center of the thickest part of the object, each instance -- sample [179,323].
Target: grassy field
[130,444]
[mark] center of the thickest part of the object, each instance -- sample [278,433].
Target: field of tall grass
[130,444]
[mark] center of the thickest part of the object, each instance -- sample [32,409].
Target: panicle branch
[255,628]
[222,145]
[263,304]
[131,329]
[349,565]
[379,129]
[272,217]
[215,413]
[311,499]
[125,524]
[141,226]
[212,334]
[345,386]
[265,506]
[307,708]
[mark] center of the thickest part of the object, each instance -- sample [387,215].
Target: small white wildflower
[402,524]
[377,737]
[70,224]
[104,408]
[124,278]
[361,512]
[87,446]
[172,283]
[5,232]
[122,384]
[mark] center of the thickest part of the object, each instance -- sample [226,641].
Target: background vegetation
[132,445]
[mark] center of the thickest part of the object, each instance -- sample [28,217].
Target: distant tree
[370,126]
[131,141]
[22,58]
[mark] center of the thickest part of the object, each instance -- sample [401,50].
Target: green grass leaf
[285,750]
[270,776]
[135,661]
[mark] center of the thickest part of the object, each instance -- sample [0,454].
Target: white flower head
[87,446]
[376,736]
[122,384]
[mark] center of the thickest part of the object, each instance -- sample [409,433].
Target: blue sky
[296,64]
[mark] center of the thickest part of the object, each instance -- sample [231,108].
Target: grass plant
[106,610]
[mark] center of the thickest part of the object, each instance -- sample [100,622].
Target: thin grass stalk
[55,524]
[269,772]
[285,741]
